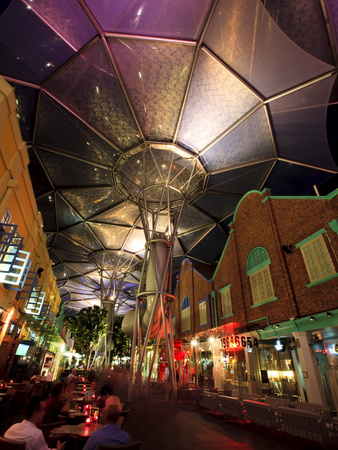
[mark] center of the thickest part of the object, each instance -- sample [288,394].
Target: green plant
[87,328]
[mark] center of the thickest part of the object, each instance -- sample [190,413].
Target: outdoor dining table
[80,431]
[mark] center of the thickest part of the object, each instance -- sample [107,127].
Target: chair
[18,402]
[134,445]
[38,389]
[46,428]
[8,444]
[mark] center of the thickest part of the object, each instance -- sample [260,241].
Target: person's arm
[65,409]
[91,443]
[41,444]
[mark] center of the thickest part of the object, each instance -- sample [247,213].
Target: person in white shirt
[106,399]
[72,376]
[27,431]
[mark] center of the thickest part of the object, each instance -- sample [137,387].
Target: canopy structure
[246,89]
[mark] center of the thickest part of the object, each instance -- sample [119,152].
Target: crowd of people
[57,407]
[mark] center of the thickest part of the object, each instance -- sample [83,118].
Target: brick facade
[262,220]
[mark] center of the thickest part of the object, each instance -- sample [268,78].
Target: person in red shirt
[56,405]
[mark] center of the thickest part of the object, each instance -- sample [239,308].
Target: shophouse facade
[273,301]
[29,297]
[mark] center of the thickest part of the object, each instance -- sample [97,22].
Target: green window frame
[317,259]
[258,271]
[226,303]
[202,307]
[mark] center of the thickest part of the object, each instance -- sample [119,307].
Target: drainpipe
[282,258]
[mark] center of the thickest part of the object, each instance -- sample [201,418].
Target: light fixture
[277,326]
[279,346]
[193,342]
[312,318]
[329,314]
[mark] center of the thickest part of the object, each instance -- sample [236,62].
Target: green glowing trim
[263,303]
[322,280]
[308,239]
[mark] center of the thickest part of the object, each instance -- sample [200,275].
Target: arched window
[185,314]
[258,271]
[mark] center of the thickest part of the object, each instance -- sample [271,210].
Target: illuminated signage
[237,341]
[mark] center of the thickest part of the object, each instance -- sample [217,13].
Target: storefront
[278,374]
[325,347]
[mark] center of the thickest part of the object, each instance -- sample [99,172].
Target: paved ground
[167,426]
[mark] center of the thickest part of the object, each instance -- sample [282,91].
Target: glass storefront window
[277,370]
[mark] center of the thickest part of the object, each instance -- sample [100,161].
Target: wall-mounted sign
[236,341]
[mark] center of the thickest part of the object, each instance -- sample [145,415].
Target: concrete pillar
[253,368]
[309,367]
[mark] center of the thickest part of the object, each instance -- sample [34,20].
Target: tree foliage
[86,329]
[121,342]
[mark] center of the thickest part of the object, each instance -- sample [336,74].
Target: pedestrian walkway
[168,426]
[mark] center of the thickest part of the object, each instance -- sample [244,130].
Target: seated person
[106,398]
[110,433]
[35,378]
[72,376]
[56,404]
[90,394]
[27,431]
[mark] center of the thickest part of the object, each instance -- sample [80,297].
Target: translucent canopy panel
[240,181]
[88,201]
[30,48]
[245,37]
[83,235]
[68,19]
[250,141]
[111,236]
[62,174]
[214,89]
[124,214]
[26,103]
[59,129]
[145,17]
[121,102]
[142,173]
[299,120]
[156,83]
[66,216]
[104,106]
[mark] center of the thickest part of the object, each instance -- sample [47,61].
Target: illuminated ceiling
[246,87]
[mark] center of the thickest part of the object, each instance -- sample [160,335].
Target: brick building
[266,321]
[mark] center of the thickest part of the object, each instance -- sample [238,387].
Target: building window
[226,301]
[203,312]
[258,271]
[317,260]
[185,314]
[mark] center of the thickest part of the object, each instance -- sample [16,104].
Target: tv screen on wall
[22,350]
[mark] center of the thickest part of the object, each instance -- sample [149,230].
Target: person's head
[93,385]
[57,390]
[112,414]
[74,372]
[106,390]
[35,410]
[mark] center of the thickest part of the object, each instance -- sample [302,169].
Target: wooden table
[81,431]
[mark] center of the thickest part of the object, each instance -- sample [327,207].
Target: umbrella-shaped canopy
[242,89]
